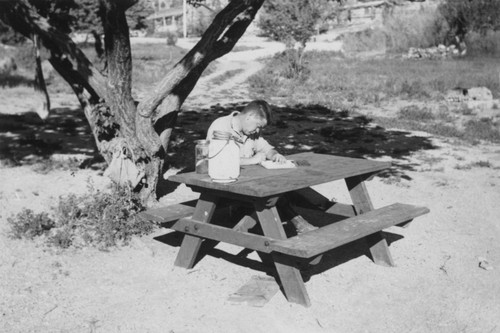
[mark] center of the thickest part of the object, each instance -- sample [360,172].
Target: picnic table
[271,194]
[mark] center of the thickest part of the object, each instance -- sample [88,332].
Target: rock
[484,264]
[434,52]
[480,94]
[473,95]
[457,95]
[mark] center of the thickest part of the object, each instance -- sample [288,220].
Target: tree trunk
[144,130]
[40,87]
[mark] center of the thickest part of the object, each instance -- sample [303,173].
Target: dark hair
[261,108]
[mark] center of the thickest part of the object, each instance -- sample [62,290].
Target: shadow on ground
[297,129]
[25,138]
[304,128]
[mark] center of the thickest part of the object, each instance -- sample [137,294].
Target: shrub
[102,219]
[27,224]
[171,38]
[98,218]
[483,44]
[464,16]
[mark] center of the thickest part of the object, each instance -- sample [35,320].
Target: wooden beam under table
[223,234]
[191,244]
[289,274]
[362,203]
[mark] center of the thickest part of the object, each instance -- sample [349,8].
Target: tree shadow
[297,129]
[25,138]
[302,128]
[14,80]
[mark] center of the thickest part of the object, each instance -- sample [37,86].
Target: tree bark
[144,129]
[40,86]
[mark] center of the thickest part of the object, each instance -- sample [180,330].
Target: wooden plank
[223,234]
[190,246]
[289,275]
[334,235]
[246,223]
[377,243]
[169,213]
[310,198]
[256,181]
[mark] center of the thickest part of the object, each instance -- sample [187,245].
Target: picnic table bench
[271,194]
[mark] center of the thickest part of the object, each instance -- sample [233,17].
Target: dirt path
[437,285]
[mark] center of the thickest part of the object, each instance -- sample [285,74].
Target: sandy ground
[436,286]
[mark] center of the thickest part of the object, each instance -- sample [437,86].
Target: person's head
[255,116]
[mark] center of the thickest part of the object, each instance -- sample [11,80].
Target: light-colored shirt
[248,146]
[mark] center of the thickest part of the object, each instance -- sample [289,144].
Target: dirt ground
[440,283]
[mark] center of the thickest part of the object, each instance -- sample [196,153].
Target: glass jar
[201,156]
[224,158]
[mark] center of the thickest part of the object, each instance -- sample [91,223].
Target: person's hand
[279,158]
[259,157]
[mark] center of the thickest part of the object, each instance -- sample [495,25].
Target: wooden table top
[256,181]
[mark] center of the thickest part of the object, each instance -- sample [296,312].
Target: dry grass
[334,79]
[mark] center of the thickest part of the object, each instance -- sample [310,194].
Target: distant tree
[464,16]
[86,15]
[293,22]
[119,123]
[137,14]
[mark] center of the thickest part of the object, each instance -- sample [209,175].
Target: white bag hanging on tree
[123,170]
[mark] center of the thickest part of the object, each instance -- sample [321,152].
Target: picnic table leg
[361,200]
[191,244]
[289,274]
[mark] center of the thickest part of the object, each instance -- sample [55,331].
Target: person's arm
[274,156]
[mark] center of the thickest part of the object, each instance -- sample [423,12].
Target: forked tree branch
[220,37]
